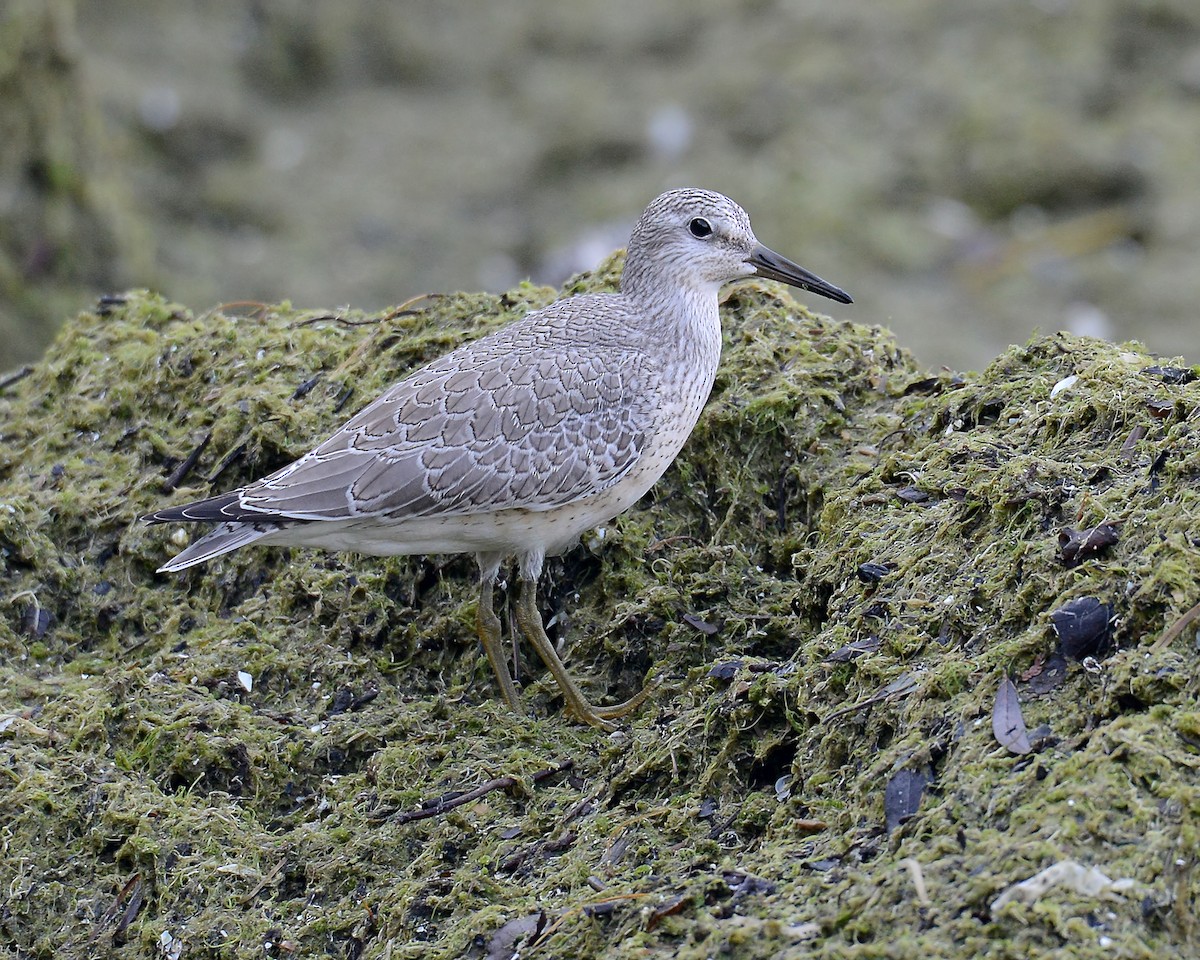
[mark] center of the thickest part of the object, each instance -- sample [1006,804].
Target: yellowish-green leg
[530,622]
[488,625]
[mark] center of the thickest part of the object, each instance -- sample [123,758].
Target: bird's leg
[488,625]
[530,622]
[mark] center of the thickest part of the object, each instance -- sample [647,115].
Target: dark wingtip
[213,509]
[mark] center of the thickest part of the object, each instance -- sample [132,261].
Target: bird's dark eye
[700,228]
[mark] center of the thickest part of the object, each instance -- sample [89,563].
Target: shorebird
[518,442]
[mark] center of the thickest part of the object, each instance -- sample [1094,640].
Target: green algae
[161,802]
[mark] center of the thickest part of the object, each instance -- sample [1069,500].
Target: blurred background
[971,171]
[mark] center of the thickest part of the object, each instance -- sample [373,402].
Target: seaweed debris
[831,586]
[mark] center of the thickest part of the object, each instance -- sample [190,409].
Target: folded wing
[502,425]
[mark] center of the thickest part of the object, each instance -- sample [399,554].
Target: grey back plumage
[517,419]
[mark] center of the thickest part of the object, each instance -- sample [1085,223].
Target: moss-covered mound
[288,753]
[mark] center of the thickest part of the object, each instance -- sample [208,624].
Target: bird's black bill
[771,265]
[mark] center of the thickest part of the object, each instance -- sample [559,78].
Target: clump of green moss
[828,587]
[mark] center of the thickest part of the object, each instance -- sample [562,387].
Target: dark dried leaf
[878,611]
[1156,467]
[342,701]
[1007,722]
[1075,546]
[130,895]
[727,670]
[1173,375]
[504,941]
[746,884]
[708,629]
[364,698]
[1160,409]
[36,621]
[902,796]
[667,909]
[1083,627]
[1050,677]
[874,572]
[306,387]
[902,686]
[1131,442]
[852,651]
[927,385]
[912,495]
[616,850]
[136,898]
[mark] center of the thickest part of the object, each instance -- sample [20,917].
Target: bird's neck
[648,278]
[684,323]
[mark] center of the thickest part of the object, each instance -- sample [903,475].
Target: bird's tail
[224,538]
